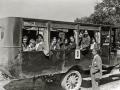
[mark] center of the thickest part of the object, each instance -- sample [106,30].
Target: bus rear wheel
[71,80]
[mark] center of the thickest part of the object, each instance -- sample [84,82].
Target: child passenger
[93,44]
[31,46]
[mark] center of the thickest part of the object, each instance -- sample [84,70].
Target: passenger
[24,44]
[107,39]
[59,42]
[54,38]
[39,43]
[54,45]
[80,38]
[72,44]
[31,46]
[85,43]
[65,45]
[93,44]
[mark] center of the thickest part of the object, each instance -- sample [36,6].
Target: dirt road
[109,82]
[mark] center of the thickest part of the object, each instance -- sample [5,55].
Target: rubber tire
[65,76]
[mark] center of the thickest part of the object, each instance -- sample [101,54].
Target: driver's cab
[109,45]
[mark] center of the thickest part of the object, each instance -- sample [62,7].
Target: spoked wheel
[71,81]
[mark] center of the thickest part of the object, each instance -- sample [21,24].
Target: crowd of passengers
[33,45]
[85,42]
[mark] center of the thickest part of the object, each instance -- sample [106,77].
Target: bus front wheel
[71,80]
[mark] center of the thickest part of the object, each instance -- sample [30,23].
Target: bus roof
[65,22]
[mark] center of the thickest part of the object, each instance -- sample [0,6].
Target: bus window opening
[88,39]
[33,39]
[62,40]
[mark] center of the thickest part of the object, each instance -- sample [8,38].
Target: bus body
[19,64]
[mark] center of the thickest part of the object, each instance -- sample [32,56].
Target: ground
[109,82]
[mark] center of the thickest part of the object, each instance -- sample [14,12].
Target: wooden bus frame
[18,64]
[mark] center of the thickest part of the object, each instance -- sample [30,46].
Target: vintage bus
[70,64]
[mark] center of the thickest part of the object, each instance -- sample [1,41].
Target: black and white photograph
[59,44]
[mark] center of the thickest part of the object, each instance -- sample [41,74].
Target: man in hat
[96,70]
[85,43]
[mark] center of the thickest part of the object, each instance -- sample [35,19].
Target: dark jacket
[54,47]
[64,47]
[72,46]
[85,42]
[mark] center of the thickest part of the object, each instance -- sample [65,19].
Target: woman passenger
[54,45]
[65,44]
[24,44]
[72,44]
[59,42]
[39,43]
[80,38]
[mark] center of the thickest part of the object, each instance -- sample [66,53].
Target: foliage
[106,12]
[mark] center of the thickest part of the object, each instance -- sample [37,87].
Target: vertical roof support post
[110,43]
[110,31]
[48,28]
[77,39]
[38,30]
[100,30]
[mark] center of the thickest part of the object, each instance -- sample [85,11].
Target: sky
[62,10]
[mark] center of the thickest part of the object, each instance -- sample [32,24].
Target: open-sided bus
[72,63]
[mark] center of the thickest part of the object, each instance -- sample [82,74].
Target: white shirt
[37,45]
[94,59]
[92,46]
[95,56]
[97,37]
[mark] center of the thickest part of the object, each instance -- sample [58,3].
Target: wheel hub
[72,81]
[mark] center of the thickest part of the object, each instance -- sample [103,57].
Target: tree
[106,12]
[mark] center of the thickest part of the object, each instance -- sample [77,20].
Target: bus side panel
[84,61]
[118,58]
[34,63]
[70,58]
[10,61]
[57,58]
[115,58]
[37,64]
[105,54]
